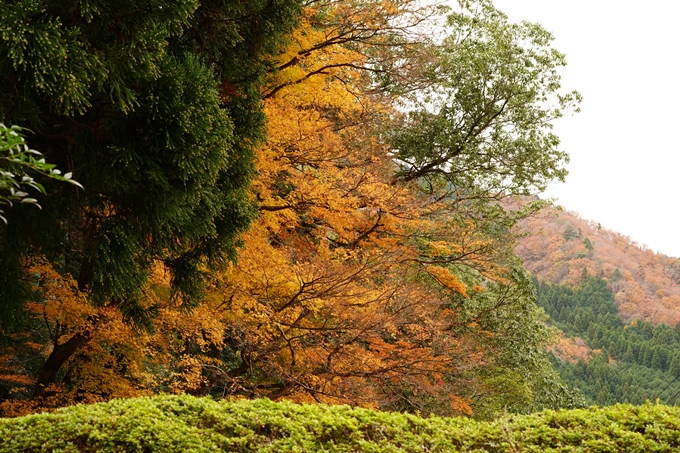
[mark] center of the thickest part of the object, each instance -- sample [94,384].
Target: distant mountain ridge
[561,246]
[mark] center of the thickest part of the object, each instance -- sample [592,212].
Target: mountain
[614,301]
[561,245]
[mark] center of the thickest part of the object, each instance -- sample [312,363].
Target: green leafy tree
[154,106]
[484,123]
[521,379]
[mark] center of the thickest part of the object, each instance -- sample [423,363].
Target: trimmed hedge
[188,424]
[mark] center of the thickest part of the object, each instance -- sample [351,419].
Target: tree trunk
[60,354]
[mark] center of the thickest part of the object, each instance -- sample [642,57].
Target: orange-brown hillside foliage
[572,349]
[561,244]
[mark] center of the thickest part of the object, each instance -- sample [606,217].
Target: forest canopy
[290,199]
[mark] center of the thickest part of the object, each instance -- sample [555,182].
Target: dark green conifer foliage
[674,368]
[645,366]
[154,106]
[649,353]
[656,361]
[629,356]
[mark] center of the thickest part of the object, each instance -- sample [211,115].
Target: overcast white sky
[624,57]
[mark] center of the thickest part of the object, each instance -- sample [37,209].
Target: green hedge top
[188,424]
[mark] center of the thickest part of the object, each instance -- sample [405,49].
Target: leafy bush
[188,424]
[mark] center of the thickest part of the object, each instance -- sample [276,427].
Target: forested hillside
[627,363]
[288,199]
[616,304]
[646,285]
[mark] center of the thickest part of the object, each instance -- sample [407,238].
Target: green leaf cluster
[17,163]
[484,124]
[188,424]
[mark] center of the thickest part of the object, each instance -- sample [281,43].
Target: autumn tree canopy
[379,270]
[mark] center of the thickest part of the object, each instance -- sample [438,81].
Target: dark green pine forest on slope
[631,362]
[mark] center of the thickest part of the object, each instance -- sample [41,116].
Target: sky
[624,58]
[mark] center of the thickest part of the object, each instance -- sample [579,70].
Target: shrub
[189,424]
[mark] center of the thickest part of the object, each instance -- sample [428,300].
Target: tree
[155,108]
[674,368]
[655,361]
[352,283]
[629,356]
[484,122]
[588,245]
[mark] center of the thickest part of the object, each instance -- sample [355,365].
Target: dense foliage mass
[376,262]
[156,108]
[186,424]
[630,363]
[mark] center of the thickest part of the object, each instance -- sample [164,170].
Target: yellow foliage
[447,279]
[63,302]
[326,301]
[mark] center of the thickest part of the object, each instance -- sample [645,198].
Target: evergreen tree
[636,351]
[655,362]
[621,346]
[588,245]
[674,367]
[642,354]
[663,356]
[628,356]
[649,355]
[154,107]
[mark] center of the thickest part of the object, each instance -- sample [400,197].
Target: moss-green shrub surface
[188,424]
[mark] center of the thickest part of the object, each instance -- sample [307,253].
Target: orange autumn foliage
[117,361]
[572,349]
[344,288]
